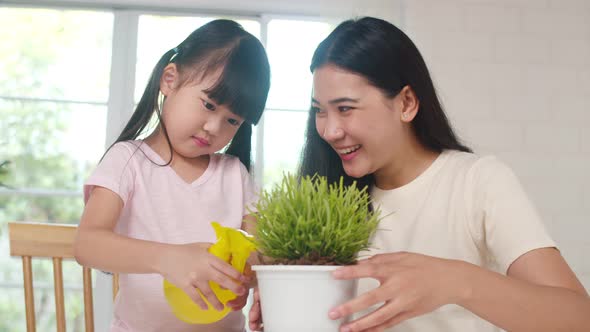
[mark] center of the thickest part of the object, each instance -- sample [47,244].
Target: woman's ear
[409,104]
[169,79]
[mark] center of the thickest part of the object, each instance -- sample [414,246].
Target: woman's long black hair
[389,60]
[243,84]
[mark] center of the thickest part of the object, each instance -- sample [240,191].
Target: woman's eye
[344,108]
[208,105]
[233,122]
[315,109]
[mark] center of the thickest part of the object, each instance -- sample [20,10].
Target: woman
[460,247]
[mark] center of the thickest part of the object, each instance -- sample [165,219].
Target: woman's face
[361,123]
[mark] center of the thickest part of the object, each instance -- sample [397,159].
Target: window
[290,47]
[53,104]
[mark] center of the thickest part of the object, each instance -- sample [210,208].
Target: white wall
[514,76]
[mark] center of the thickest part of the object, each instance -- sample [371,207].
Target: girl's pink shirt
[160,206]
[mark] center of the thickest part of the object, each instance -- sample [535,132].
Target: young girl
[460,247]
[150,203]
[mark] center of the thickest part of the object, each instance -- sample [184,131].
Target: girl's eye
[233,122]
[208,105]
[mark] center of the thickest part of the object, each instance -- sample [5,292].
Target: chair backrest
[55,241]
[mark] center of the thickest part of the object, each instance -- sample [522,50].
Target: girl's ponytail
[148,102]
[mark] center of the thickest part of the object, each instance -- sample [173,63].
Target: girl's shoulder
[133,150]
[227,162]
[125,147]
[230,167]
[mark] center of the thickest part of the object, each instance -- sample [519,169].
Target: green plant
[308,222]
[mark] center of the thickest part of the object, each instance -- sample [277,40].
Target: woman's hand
[410,285]
[255,315]
[191,267]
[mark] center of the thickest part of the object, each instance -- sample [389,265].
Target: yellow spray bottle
[232,246]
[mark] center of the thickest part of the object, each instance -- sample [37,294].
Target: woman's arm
[540,293]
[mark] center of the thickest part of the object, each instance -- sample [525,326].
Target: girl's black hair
[243,84]
[389,60]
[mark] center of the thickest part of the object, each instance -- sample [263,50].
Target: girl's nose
[212,125]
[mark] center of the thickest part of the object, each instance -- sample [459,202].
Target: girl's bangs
[243,84]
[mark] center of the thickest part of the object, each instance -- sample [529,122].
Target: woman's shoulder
[474,164]
[480,171]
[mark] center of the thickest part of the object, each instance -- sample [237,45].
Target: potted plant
[305,229]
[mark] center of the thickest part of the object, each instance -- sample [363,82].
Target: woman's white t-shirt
[462,207]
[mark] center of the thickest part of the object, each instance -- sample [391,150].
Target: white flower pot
[299,297]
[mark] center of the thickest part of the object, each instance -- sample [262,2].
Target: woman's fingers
[366,270]
[376,267]
[385,258]
[359,303]
[255,315]
[375,321]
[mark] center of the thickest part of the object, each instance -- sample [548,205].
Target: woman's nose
[332,131]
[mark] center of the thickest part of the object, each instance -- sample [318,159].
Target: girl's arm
[249,224]
[189,266]
[98,246]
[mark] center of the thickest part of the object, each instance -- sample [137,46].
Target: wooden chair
[55,241]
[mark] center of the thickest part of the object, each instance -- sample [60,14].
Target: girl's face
[360,123]
[196,125]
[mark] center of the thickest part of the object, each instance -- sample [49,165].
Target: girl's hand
[191,267]
[255,315]
[410,285]
[240,302]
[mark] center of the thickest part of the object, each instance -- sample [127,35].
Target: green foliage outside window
[31,137]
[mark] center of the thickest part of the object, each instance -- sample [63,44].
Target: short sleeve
[250,190]
[507,219]
[114,172]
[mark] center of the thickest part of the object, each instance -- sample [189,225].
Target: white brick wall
[514,77]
